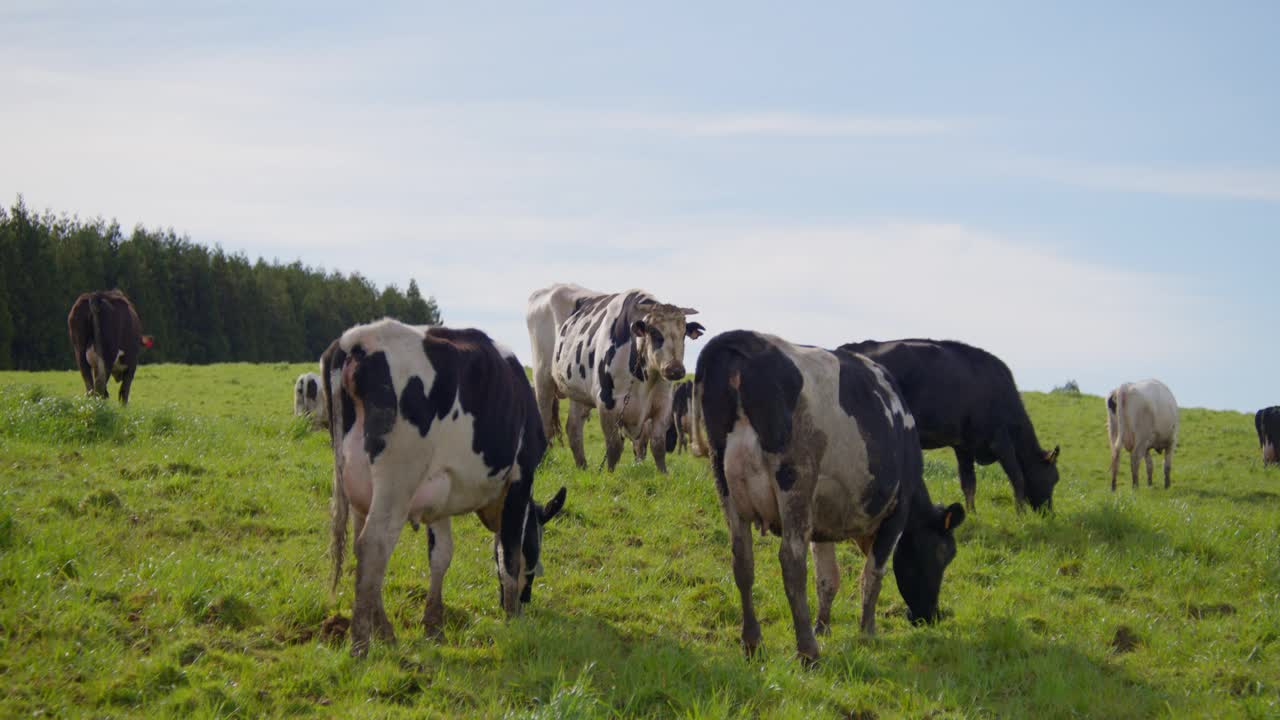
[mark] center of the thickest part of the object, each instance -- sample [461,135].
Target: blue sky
[1091,190]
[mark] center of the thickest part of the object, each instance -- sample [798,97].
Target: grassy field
[169,560]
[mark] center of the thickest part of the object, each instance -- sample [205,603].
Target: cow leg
[793,556]
[1008,457]
[1115,463]
[968,477]
[609,425]
[544,390]
[388,512]
[573,428]
[86,372]
[640,443]
[439,554]
[744,565]
[826,574]
[658,443]
[878,551]
[126,382]
[1135,459]
[1147,457]
[1168,464]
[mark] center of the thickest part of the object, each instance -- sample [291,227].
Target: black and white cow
[680,425]
[1267,421]
[619,354]
[965,398]
[308,398]
[817,446]
[427,424]
[547,311]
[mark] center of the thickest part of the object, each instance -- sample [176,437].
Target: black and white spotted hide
[619,355]
[817,447]
[426,424]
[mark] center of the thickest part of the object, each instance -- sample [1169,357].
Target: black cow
[106,336]
[678,433]
[816,446]
[1267,421]
[427,424]
[964,398]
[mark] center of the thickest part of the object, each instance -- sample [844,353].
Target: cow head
[922,554]
[660,337]
[539,515]
[1041,475]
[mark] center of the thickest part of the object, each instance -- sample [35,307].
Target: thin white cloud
[1210,182]
[781,124]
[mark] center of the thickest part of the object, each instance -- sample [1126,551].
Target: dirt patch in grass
[1125,640]
[1200,612]
[334,629]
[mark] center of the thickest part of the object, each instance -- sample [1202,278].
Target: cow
[426,424]
[1267,421]
[547,311]
[106,336]
[680,425]
[817,446]
[618,354]
[308,398]
[965,398]
[1142,416]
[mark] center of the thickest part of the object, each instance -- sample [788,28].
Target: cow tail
[338,503]
[102,369]
[698,447]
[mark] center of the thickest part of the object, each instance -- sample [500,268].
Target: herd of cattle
[815,446]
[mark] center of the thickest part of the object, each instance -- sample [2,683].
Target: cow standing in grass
[965,398]
[547,311]
[817,446]
[106,336]
[1141,417]
[427,424]
[308,398]
[1267,421]
[618,354]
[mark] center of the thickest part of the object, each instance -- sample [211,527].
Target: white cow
[1142,416]
[309,398]
[548,308]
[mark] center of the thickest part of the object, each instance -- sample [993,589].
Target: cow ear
[950,517]
[638,328]
[694,330]
[552,508]
[1051,457]
[688,311]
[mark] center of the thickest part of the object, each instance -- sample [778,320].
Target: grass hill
[169,559]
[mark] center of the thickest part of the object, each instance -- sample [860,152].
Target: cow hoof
[821,628]
[359,648]
[808,660]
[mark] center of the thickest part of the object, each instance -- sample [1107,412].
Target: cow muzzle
[673,371]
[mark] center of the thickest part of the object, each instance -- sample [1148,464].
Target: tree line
[202,305]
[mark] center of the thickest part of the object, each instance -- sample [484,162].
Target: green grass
[169,560]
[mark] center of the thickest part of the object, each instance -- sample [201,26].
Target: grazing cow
[1142,416]
[1268,423]
[308,398]
[964,398]
[817,446]
[106,336]
[427,424]
[680,424]
[548,309]
[619,354]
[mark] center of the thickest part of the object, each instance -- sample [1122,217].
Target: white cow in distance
[1142,416]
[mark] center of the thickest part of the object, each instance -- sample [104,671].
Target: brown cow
[106,336]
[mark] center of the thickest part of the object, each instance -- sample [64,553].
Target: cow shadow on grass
[1004,667]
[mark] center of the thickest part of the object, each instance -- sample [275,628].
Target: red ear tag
[946,522]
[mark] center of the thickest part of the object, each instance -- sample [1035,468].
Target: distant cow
[106,336]
[308,398]
[964,398]
[817,446]
[680,422]
[1268,423]
[425,425]
[1141,417]
[617,353]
